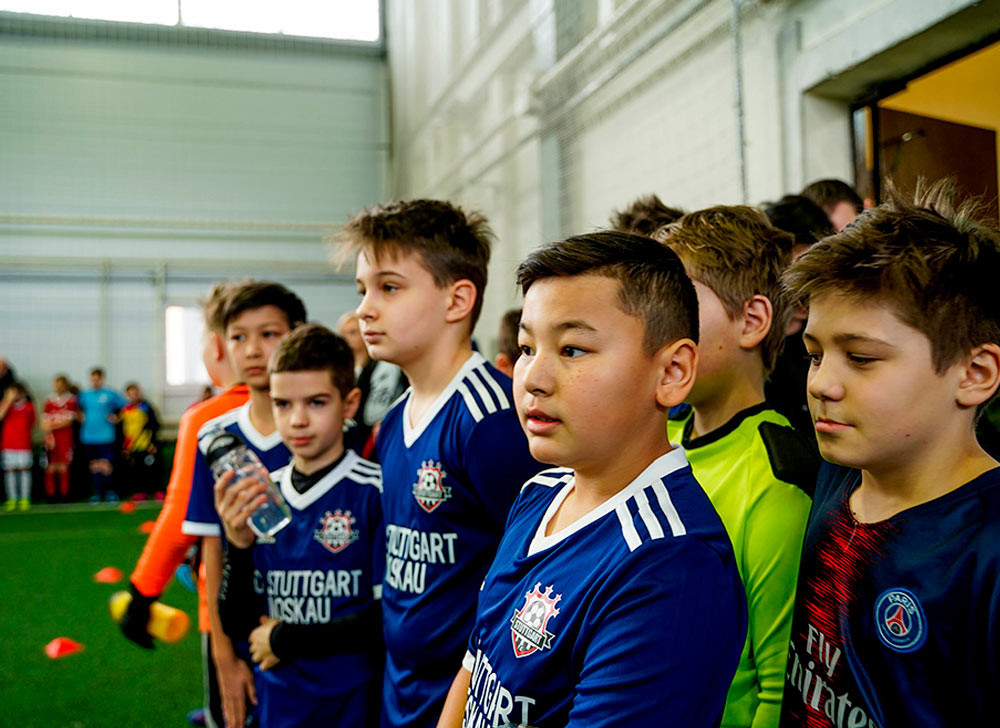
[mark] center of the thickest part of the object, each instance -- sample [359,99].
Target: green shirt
[765,515]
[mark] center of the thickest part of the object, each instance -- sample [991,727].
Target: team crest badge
[527,627]
[336,531]
[900,620]
[429,489]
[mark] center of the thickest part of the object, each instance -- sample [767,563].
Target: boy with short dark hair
[756,469]
[452,452]
[256,317]
[644,216]
[287,590]
[837,199]
[896,622]
[613,599]
[139,426]
[58,415]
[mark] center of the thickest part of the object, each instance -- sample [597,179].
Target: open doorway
[940,123]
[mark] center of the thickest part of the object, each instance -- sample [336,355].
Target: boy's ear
[980,377]
[504,364]
[757,318]
[677,366]
[351,403]
[462,296]
[218,346]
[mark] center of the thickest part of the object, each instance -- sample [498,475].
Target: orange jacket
[166,546]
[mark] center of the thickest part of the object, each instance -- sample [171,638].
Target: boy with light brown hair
[756,469]
[452,452]
[896,621]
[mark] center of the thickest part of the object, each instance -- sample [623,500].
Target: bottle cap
[220,446]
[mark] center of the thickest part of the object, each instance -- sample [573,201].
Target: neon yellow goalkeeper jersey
[759,474]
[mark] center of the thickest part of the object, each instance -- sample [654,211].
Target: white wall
[549,114]
[140,166]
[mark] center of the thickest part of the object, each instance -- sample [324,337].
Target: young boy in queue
[896,620]
[256,318]
[452,452]
[285,591]
[614,598]
[167,546]
[757,470]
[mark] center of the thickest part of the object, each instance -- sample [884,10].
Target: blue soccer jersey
[634,615]
[327,563]
[897,622]
[449,483]
[202,519]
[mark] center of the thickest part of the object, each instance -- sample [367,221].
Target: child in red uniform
[58,415]
[18,415]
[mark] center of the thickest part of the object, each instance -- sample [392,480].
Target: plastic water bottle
[228,452]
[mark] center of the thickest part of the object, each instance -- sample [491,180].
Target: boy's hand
[235,687]
[235,502]
[260,644]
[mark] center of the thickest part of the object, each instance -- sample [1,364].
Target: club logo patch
[527,627]
[900,620]
[336,531]
[429,489]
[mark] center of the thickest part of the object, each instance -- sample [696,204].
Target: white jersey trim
[469,661]
[196,528]
[216,424]
[649,478]
[474,373]
[259,441]
[549,478]
[300,501]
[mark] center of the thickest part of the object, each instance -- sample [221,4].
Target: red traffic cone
[62,647]
[147,526]
[108,575]
[127,507]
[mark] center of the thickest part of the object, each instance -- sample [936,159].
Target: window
[337,19]
[185,326]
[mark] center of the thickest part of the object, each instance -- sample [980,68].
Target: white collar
[412,434]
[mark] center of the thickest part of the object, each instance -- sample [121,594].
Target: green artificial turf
[48,558]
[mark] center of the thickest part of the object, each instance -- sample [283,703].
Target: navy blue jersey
[634,615]
[449,483]
[202,519]
[897,622]
[328,562]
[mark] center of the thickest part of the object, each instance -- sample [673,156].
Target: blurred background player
[140,471]
[17,413]
[452,452]
[508,350]
[257,315]
[167,546]
[59,413]
[304,673]
[381,383]
[98,408]
[644,216]
[756,469]
[785,389]
[838,200]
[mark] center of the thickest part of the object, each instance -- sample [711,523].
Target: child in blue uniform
[326,564]
[453,455]
[257,315]
[896,620]
[614,598]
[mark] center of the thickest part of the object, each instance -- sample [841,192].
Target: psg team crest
[336,531]
[527,627]
[900,620]
[429,490]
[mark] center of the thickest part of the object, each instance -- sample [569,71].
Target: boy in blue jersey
[325,565]
[452,452]
[256,318]
[99,410]
[614,598]
[896,620]
[754,467]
